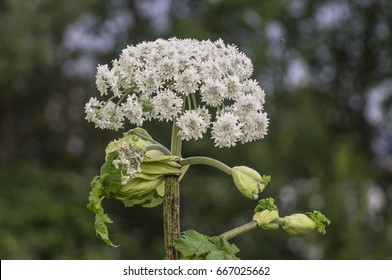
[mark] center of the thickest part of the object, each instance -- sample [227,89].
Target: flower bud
[265,217]
[135,166]
[134,172]
[248,181]
[298,224]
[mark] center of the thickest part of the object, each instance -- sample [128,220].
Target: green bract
[265,217]
[298,224]
[134,173]
[266,204]
[248,181]
[320,220]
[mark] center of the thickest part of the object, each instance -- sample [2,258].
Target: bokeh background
[329,147]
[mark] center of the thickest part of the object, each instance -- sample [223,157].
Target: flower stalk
[206,161]
[239,230]
[171,205]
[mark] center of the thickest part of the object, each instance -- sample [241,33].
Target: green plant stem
[206,161]
[171,206]
[171,216]
[125,94]
[247,227]
[176,142]
[239,230]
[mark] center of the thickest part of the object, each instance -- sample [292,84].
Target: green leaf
[320,220]
[195,246]
[147,200]
[111,176]
[95,205]
[266,204]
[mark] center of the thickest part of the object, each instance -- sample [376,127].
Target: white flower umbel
[226,130]
[255,127]
[193,124]
[105,116]
[171,80]
[128,161]
[107,79]
[166,105]
[132,110]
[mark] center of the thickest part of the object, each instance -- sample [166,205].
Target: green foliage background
[329,96]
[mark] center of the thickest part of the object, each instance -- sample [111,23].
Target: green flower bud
[298,224]
[134,172]
[265,217]
[138,164]
[248,181]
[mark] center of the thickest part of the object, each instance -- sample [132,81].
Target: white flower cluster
[128,161]
[197,84]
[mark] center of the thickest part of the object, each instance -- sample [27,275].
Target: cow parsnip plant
[196,85]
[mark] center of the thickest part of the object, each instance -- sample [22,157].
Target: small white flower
[233,86]
[166,105]
[252,87]
[133,110]
[241,66]
[153,57]
[102,76]
[183,61]
[127,66]
[107,79]
[187,82]
[128,161]
[148,81]
[167,68]
[255,127]
[110,117]
[193,124]
[246,104]
[91,108]
[212,70]
[205,114]
[212,92]
[226,131]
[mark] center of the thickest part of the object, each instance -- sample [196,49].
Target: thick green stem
[171,216]
[171,207]
[206,161]
[238,230]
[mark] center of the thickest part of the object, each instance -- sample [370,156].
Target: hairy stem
[171,216]
[238,230]
[171,206]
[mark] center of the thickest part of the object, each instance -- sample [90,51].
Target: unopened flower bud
[298,224]
[265,217]
[248,181]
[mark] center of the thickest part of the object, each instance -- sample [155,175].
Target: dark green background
[329,146]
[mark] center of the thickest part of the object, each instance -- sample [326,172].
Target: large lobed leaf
[195,246]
